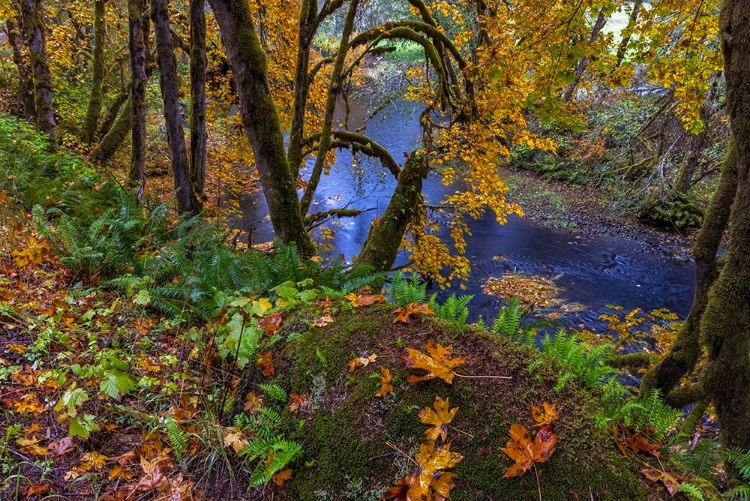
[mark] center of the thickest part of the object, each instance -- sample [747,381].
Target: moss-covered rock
[351,437]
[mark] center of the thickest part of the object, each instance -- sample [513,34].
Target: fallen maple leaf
[35,490]
[271,323]
[440,363]
[31,446]
[60,447]
[400,491]
[525,452]
[637,442]
[431,462]
[438,418]
[385,382]
[120,473]
[322,321]
[29,404]
[282,476]
[266,362]
[547,414]
[252,402]
[298,401]
[365,297]
[324,303]
[235,439]
[361,362]
[670,482]
[405,313]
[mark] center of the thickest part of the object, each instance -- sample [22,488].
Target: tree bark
[725,327]
[137,34]
[384,238]
[686,350]
[261,121]
[628,32]
[334,87]
[21,59]
[198,98]
[97,79]
[31,11]
[112,113]
[601,20]
[186,200]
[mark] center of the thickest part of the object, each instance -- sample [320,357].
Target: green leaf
[116,382]
[82,427]
[143,297]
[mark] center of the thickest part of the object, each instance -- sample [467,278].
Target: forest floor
[588,211]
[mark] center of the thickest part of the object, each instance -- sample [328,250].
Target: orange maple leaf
[266,362]
[282,476]
[385,382]
[439,363]
[431,462]
[670,482]
[405,313]
[252,402]
[298,401]
[271,323]
[525,452]
[547,414]
[365,297]
[360,362]
[438,418]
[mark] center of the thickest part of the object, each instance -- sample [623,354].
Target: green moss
[344,439]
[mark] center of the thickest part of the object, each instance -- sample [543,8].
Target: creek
[590,271]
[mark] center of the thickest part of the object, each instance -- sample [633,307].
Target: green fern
[740,460]
[454,310]
[585,361]
[692,491]
[404,291]
[508,319]
[178,438]
[284,452]
[739,493]
[274,391]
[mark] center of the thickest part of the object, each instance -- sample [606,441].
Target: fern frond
[274,391]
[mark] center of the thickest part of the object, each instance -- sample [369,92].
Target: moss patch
[345,435]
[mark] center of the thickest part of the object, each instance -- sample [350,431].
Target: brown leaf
[60,447]
[271,323]
[35,490]
[638,442]
[322,321]
[298,401]
[547,414]
[385,382]
[365,297]
[544,443]
[252,402]
[439,363]
[405,313]
[670,482]
[282,476]
[431,462]
[361,362]
[439,419]
[400,491]
[266,362]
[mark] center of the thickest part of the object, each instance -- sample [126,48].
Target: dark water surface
[594,271]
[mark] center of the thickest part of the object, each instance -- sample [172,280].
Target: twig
[483,377]
[538,485]
[389,444]
[461,431]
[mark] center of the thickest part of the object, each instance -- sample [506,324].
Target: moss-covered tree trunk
[198,98]
[14,29]
[137,33]
[725,327]
[97,79]
[260,120]
[686,350]
[627,33]
[114,136]
[187,203]
[384,237]
[601,20]
[33,23]
[113,111]
[334,87]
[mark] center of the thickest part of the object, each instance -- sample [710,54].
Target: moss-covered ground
[352,438]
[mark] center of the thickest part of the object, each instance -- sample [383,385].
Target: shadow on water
[594,271]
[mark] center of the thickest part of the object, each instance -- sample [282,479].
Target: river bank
[587,211]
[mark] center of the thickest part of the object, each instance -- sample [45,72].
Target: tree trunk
[261,121]
[137,45]
[186,200]
[114,136]
[601,20]
[725,327]
[628,32]
[21,59]
[34,28]
[698,142]
[334,87]
[198,98]
[97,79]
[384,237]
[686,350]
[112,113]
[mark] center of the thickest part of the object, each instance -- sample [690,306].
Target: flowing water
[593,271]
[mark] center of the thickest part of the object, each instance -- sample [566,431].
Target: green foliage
[692,491]
[274,391]
[508,321]
[586,362]
[679,210]
[740,460]
[178,438]
[644,411]
[403,291]
[454,310]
